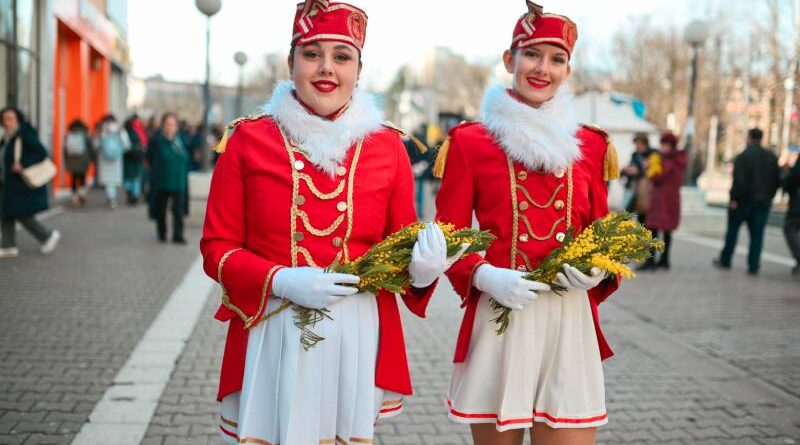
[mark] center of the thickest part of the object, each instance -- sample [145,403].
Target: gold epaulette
[223,142]
[441,159]
[420,146]
[610,160]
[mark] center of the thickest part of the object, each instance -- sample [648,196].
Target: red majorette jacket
[270,207]
[528,209]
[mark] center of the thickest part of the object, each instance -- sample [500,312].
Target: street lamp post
[209,8]
[695,35]
[240,58]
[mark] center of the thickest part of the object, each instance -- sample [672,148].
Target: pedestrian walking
[133,159]
[791,226]
[317,179]
[756,178]
[20,148]
[112,143]
[78,155]
[638,186]
[169,178]
[665,206]
[529,172]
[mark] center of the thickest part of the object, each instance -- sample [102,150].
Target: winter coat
[110,170]
[19,200]
[665,206]
[756,176]
[79,163]
[791,185]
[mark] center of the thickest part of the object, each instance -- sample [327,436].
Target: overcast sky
[167,37]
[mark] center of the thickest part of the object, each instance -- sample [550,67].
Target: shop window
[7,20]
[5,88]
[27,78]
[26,24]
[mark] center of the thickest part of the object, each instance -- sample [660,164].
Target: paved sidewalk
[703,357]
[68,321]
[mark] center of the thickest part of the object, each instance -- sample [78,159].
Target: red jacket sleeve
[599,208]
[245,278]
[454,205]
[402,213]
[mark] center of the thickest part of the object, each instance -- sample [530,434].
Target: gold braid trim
[223,142]
[254,320]
[324,196]
[569,197]
[319,232]
[441,159]
[350,181]
[420,146]
[295,188]
[226,301]
[514,211]
[526,260]
[527,223]
[307,255]
[536,204]
[610,161]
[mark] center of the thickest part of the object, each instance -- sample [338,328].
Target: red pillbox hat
[322,20]
[536,27]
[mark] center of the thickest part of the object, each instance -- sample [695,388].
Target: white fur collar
[541,138]
[325,142]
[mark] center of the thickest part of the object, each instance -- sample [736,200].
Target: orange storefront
[86,42]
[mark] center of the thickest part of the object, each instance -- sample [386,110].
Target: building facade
[62,60]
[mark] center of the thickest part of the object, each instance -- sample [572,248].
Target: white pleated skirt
[326,395]
[545,368]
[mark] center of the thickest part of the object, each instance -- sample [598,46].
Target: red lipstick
[324,86]
[538,83]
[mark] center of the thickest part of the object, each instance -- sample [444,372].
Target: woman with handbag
[20,149]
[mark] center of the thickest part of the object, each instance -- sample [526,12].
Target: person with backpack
[112,143]
[78,154]
[133,160]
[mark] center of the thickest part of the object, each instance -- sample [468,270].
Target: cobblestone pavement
[703,357]
[68,321]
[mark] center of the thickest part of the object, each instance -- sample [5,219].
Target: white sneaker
[9,252]
[51,243]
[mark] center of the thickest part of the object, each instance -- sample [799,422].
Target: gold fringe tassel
[220,147]
[420,146]
[611,162]
[441,159]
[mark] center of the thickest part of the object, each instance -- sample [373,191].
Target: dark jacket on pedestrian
[169,167]
[791,185]
[133,159]
[756,176]
[638,160]
[665,206]
[19,200]
[78,149]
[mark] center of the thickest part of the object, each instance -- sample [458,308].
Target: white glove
[573,278]
[507,286]
[429,256]
[312,287]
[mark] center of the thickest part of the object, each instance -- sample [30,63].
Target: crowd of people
[149,162]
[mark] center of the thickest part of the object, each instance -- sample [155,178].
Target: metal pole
[690,151]
[240,91]
[205,161]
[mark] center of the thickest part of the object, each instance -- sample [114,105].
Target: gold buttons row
[336,241]
[299,165]
[523,175]
[300,200]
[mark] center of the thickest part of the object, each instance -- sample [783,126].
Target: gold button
[299,200]
[299,165]
[559,204]
[292,142]
[341,206]
[341,171]
[522,268]
[524,238]
[560,237]
[560,174]
[337,242]
[298,236]
[523,205]
[522,175]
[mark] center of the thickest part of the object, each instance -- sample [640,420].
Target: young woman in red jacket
[317,178]
[529,172]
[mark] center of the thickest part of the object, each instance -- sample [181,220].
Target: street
[702,356]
